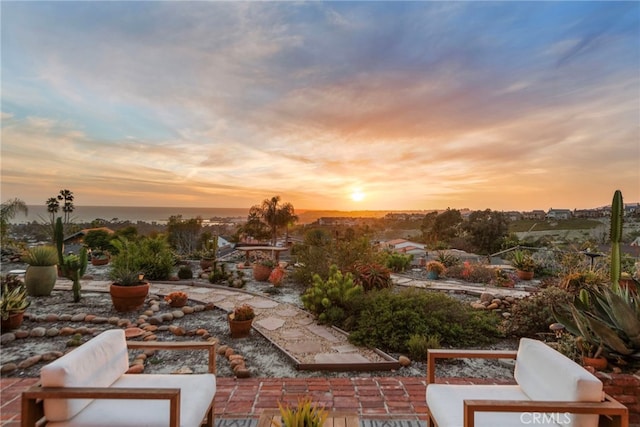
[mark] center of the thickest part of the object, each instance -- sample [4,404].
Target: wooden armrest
[179,345]
[609,407]
[31,414]
[433,354]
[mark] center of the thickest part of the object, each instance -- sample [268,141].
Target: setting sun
[357,196]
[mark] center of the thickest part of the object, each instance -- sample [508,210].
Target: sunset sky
[336,105]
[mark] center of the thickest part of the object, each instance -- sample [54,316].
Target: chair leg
[210,417]
[32,412]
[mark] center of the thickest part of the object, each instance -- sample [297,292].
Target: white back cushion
[547,375]
[97,363]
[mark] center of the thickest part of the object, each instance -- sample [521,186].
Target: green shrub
[447,258]
[387,320]
[332,300]
[185,273]
[398,262]
[156,258]
[219,274]
[419,344]
[533,314]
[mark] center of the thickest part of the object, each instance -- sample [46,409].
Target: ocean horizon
[157,214]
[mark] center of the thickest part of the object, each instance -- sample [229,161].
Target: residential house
[559,214]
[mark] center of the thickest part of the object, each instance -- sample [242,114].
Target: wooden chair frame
[612,413]
[32,399]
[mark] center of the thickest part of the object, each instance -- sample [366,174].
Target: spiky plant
[605,317]
[306,414]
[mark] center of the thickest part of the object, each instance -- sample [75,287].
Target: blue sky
[337,105]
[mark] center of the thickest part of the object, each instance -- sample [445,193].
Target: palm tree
[68,207]
[8,210]
[277,216]
[53,206]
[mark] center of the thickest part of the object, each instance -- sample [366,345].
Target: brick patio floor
[371,398]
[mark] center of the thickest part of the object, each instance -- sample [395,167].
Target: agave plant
[605,317]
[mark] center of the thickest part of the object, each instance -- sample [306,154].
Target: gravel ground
[263,359]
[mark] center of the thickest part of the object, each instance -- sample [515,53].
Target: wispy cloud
[419,104]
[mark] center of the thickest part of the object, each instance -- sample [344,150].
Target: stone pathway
[456,286]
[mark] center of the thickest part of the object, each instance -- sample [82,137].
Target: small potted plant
[262,269]
[524,264]
[434,269]
[99,257]
[591,354]
[13,302]
[129,289]
[240,321]
[306,413]
[42,272]
[177,299]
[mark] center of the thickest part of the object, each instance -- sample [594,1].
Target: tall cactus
[617,212]
[75,266]
[58,237]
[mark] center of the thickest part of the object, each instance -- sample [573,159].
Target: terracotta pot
[524,275]
[206,263]
[128,298]
[13,321]
[239,328]
[261,272]
[99,261]
[178,302]
[40,280]
[598,363]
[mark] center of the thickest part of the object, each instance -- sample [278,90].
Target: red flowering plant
[276,276]
[176,296]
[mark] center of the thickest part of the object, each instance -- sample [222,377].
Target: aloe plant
[605,317]
[617,212]
[306,414]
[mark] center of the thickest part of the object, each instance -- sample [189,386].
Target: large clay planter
[524,275]
[239,328]
[128,298]
[12,322]
[261,272]
[40,280]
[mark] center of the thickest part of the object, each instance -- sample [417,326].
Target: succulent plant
[523,261]
[605,317]
[372,276]
[306,413]
[435,266]
[243,312]
[13,300]
[41,256]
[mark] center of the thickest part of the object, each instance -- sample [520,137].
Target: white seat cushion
[547,375]
[97,363]
[196,394]
[446,404]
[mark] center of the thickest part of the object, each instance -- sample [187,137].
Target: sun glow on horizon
[357,195]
